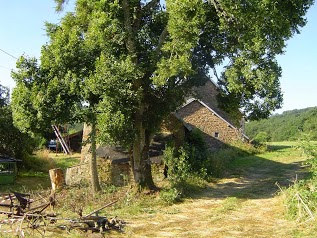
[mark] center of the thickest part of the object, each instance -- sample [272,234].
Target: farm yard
[171,106]
[248,201]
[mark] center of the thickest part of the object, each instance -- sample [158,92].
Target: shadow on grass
[278,147]
[255,177]
[26,184]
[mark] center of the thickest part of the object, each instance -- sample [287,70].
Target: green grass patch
[64,161]
[27,184]
[229,204]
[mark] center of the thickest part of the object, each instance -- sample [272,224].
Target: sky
[22,31]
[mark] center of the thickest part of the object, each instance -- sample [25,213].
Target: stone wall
[207,93]
[216,130]
[77,174]
[109,173]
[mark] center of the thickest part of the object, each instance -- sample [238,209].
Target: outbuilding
[8,169]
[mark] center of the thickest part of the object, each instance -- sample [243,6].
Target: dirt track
[245,205]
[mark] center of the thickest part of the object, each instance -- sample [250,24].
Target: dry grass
[244,204]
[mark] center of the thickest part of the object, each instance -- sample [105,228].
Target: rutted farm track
[247,204]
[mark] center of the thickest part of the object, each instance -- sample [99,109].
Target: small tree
[12,141]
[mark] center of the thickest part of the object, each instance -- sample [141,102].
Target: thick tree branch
[161,40]
[138,17]
[150,5]
[141,12]
[220,10]
[130,44]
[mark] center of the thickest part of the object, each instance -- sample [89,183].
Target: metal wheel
[34,226]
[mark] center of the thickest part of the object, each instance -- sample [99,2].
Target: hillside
[287,126]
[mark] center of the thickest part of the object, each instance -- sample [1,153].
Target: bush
[12,141]
[183,179]
[301,197]
[262,137]
[301,200]
[170,196]
[196,151]
[178,167]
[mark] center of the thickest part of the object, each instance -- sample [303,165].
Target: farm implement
[26,217]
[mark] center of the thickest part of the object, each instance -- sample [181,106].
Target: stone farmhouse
[201,112]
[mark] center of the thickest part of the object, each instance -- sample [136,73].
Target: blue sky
[22,32]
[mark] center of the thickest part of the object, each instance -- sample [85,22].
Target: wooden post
[57,178]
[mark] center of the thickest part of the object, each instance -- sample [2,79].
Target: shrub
[12,141]
[262,137]
[196,150]
[170,196]
[301,197]
[301,200]
[183,179]
[178,167]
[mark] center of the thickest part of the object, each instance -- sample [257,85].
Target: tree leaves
[114,57]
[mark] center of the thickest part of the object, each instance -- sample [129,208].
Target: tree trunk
[57,178]
[141,161]
[88,154]
[93,161]
[85,153]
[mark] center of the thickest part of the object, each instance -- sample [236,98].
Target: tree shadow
[255,177]
[278,147]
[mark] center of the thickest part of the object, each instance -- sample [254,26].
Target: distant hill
[286,126]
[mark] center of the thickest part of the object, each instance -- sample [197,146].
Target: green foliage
[170,196]
[178,167]
[256,32]
[301,197]
[184,180]
[4,96]
[74,128]
[197,152]
[261,137]
[287,126]
[40,100]
[12,141]
[220,161]
[301,200]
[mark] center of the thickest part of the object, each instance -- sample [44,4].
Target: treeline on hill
[284,127]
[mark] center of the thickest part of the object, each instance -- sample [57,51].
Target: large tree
[133,62]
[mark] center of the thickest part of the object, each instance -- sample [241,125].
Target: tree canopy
[128,64]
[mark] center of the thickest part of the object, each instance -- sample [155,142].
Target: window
[217,134]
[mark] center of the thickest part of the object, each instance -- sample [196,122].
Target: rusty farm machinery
[26,217]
